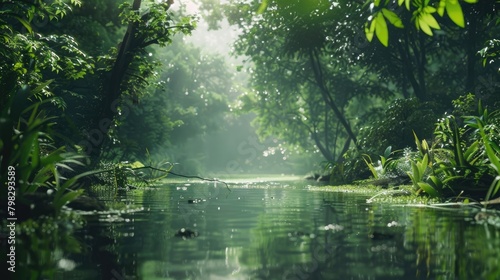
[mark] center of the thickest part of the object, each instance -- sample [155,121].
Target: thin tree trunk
[324,151]
[327,97]
[421,63]
[126,52]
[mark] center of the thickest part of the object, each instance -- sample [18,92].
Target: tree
[299,72]
[148,24]
[190,101]
[308,53]
[29,58]
[33,64]
[417,47]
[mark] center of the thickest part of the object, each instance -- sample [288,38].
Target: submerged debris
[380,236]
[491,218]
[186,233]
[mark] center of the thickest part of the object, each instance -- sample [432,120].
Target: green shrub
[27,151]
[396,126]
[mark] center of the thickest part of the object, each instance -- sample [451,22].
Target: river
[279,229]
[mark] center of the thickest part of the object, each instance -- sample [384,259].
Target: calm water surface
[281,230]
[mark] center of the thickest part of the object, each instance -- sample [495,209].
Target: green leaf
[454,11]
[423,166]
[428,189]
[136,164]
[457,145]
[495,161]
[392,18]
[431,21]
[436,182]
[262,7]
[415,172]
[370,166]
[495,186]
[422,25]
[471,151]
[35,154]
[387,152]
[441,7]
[69,196]
[370,31]
[25,24]
[54,157]
[381,30]
[429,9]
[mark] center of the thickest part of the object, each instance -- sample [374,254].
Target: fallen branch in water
[493,201]
[166,171]
[184,176]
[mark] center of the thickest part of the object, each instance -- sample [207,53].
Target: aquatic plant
[430,184]
[385,165]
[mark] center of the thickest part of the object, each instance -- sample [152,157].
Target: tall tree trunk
[324,151]
[98,138]
[327,96]
[127,49]
[413,58]
[421,62]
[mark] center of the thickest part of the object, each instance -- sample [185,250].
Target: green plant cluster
[27,146]
[462,159]
[125,174]
[396,125]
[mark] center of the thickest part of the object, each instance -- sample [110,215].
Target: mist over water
[233,147]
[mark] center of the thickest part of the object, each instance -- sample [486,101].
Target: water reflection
[41,246]
[283,231]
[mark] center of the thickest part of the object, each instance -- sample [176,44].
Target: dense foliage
[113,85]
